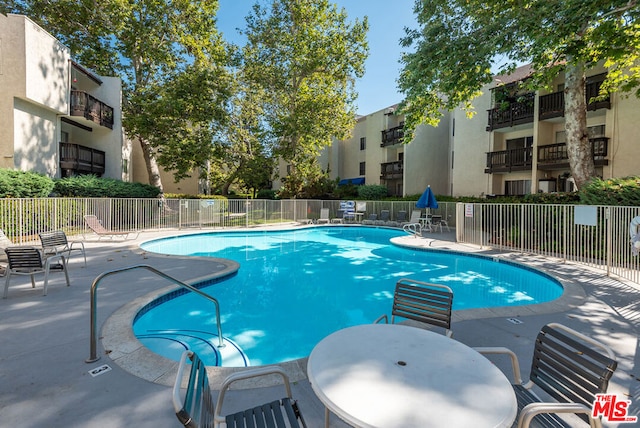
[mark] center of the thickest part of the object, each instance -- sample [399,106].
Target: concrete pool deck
[45,381]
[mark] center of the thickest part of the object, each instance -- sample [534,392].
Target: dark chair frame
[423,302]
[567,365]
[27,260]
[196,409]
[56,242]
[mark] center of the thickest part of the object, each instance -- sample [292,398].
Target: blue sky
[377,89]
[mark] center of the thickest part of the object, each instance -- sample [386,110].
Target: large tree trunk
[575,114]
[152,165]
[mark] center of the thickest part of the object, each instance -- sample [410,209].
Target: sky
[377,89]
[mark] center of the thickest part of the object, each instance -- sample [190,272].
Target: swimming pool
[295,287]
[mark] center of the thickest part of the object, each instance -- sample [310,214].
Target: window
[362,168]
[363,143]
[517,187]
[592,131]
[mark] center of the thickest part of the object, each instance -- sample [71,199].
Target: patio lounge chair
[324,216]
[96,226]
[567,365]
[423,302]
[56,242]
[383,219]
[25,260]
[371,220]
[196,409]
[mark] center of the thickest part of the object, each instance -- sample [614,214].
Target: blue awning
[355,181]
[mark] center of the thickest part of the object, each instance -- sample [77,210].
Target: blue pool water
[296,287]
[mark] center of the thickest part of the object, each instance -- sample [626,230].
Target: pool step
[171,344]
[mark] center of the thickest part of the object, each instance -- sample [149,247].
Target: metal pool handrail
[94,289]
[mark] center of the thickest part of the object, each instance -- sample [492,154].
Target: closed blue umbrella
[427,200]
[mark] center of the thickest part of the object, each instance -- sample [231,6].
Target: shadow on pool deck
[45,382]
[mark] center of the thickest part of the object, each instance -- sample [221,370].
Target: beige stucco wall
[139,174]
[35,74]
[470,144]
[623,130]
[427,161]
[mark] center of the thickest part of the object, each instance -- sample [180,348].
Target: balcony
[554,156]
[512,113]
[391,170]
[509,160]
[552,105]
[78,160]
[392,136]
[92,109]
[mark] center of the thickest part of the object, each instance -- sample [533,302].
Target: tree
[242,146]
[305,56]
[458,40]
[165,52]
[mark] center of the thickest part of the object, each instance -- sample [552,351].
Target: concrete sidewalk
[44,340]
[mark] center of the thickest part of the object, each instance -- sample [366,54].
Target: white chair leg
[46,279]
[6,285]
[66,272]
[33,280]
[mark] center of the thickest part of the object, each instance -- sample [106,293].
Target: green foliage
[457,43]
[372,192]
[188,196]
[616,191]
[321,187]
[267,194]
[553,198]
[346,191]
[305,56]
[19,184]
[90,186]
[172,62]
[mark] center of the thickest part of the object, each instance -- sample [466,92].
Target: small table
[390,375]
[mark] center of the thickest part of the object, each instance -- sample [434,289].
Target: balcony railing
[509,160]
[89,107]
[515,113]
[76,160]
[554,156]
[391,170]
[392,136]
[552,105]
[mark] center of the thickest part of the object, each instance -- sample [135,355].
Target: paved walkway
[45,340]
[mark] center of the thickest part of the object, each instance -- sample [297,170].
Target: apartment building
[516,145]
[56,117]
[375,154]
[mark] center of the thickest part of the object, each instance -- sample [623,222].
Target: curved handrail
[94,289]
[414,229]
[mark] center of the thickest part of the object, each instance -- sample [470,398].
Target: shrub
[614,191]
[21,184]
[90,186]
[372,192]
[267,194]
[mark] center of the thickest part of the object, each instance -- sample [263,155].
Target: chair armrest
[248,374]
[382,317]
[531,410]
[498,350]
[177,400]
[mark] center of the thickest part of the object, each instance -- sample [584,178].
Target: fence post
[607,222]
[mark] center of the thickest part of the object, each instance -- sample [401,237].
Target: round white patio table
[390,375]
